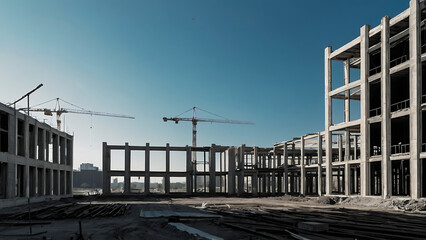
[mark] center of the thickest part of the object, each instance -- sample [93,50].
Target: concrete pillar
[347,158]
[27,136]
[255,180]
[126,168]
[35,139]
[240,158]
[212,169]
[302,167]
[365,106]
[106,168]
[319,171]
[328,119]
[347,72]
[167,177]
[147,169]
[189,170]
[279,175]
[285,154]
[386,109]
[415,100]
[231,172]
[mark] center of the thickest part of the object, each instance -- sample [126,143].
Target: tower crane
[58,110]
[195,120]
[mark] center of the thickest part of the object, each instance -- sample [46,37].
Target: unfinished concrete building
[374,141]
[237,171]
[35,159]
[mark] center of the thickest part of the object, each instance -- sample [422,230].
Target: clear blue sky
[259,61]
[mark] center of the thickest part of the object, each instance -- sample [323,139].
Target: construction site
[363,177]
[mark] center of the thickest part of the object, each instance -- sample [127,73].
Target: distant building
[89,176]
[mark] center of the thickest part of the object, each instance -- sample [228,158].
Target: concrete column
[36,190]
[386,109]
[126,168]
[189,171]
[255,180]
[293,153]
[347,158]
[279,175]
[347,72]
[212,169]
[415,100]
[167,177]
[106,168]
[241,168]
[27,136]
[35,139]
[302,167]
[328,119]
[319,171]
[231,172]
[147,169]
[285,154]
[365,106]
[44,190]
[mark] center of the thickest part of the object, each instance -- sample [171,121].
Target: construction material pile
[69,210]
[340,223]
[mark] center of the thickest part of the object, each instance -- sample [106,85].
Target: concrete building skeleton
[382,152]
[35,159]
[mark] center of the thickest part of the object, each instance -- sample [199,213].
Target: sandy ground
[132,226]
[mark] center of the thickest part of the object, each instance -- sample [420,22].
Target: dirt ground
[242,218]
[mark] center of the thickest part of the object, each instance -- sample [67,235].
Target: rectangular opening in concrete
[401,177]
[376,139]
[424,80]
[55,182]
[137,160]
[48,182]
[400,137]
[62,183]
[423,38]
[375,62]
[178,184]
[117,160]
[354,104]
[311,181]
[55,149]
[202,183]
[355,179]
[423,131]
[337,74]
[117,184]
[375,99]
[40,182]
[40,145]
[248,184]
[294,182]
[323,180]
[33,181]
[400,90]
[354,74]
[62,150]
[376,178]
[21,138]
[69,152]
[137,184]
[3,180]
[338,111]
[338,180]
[220,184]
[20,177]
[4,132]
[399,51]
[157,161]
[31,140]
[156,185]
[177,161]
[202,161]
[68,189]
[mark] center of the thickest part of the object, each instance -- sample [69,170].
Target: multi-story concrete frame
[35,159]
[392,98]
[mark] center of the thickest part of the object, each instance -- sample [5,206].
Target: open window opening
[338,180]
[400,137]
[4,132]
[401,177]
[375,99]
[376,139]
[400,90]
[355,179]
[376,178]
